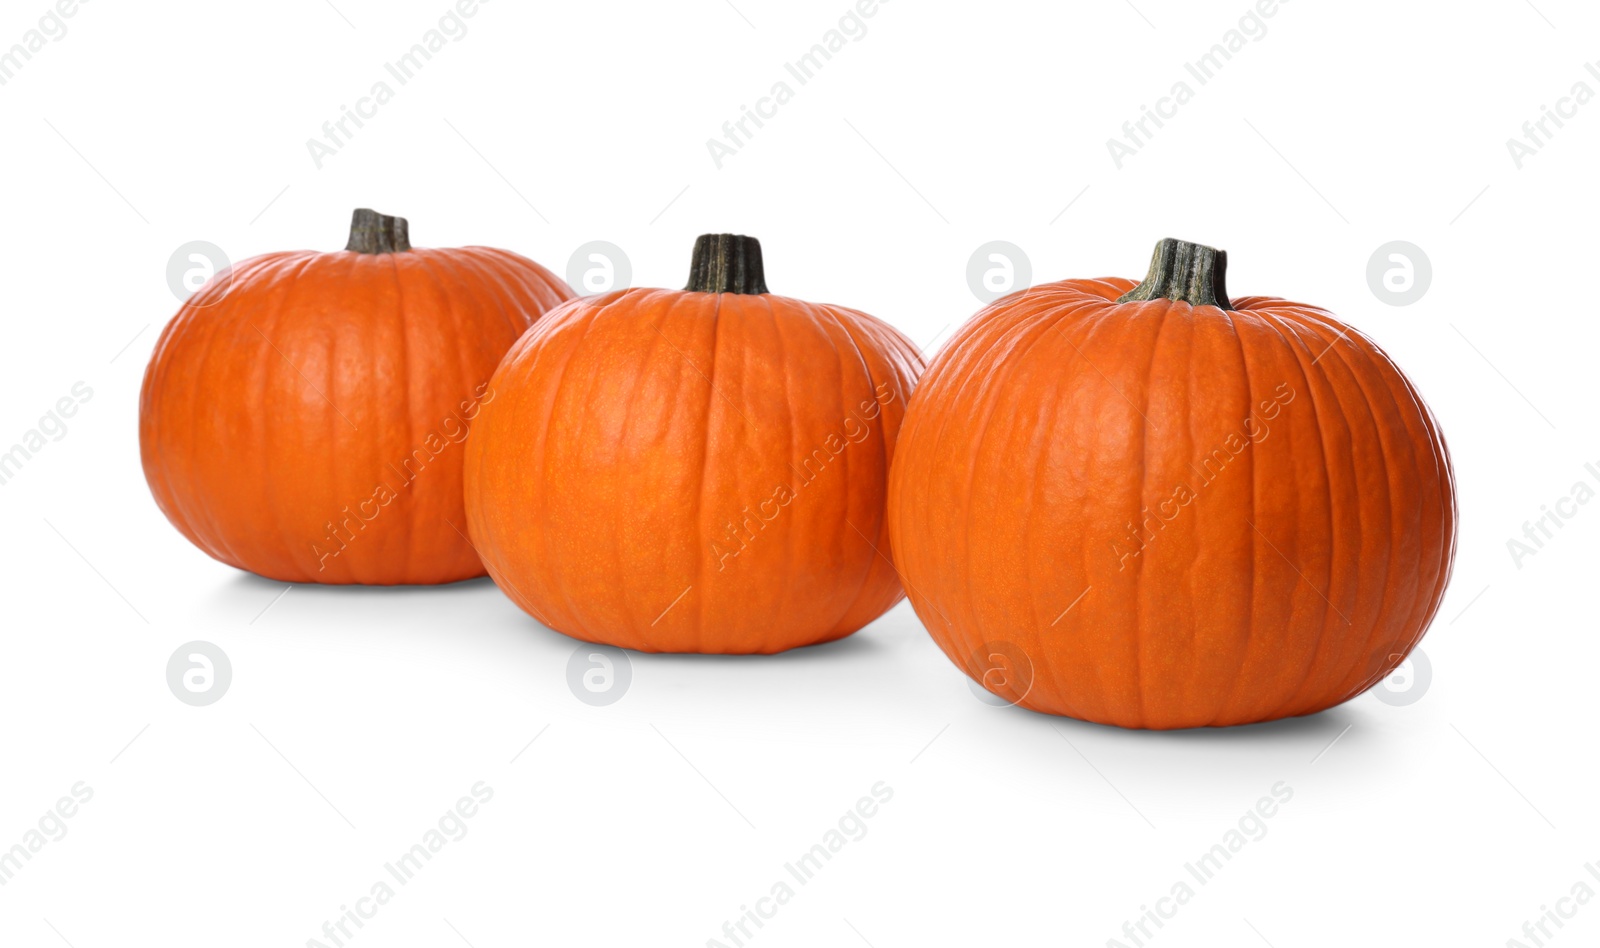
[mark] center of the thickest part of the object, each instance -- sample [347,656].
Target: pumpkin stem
[727,263]
[371,232]
[1190,273]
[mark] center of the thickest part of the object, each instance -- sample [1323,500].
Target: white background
[356,717]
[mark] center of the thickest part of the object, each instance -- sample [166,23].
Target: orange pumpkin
[303,414]
[694,471]
[1154,507]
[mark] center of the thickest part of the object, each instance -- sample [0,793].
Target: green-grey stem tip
[1180,270]
[727,263]
[371,232]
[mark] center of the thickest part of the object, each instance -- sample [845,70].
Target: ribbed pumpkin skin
[625,486]
[276,405]
[1049,434]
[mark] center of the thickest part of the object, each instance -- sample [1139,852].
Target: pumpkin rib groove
[1294,347]
[579,438]
[271,362]
[1368,432]
[564,615]
[483,259]
[852,602]
[1147,382]
[1399,519]
[1050,412]
[705,428]
[178,502]
[184,509]
[1266,320]
[1246,654]
[196,521]
[350,397]
[1020,340]
[1092,327]
[1199,588]
[946,631]
[1390,607]
[418,350]
[1313,691]
[1425,605]
[423,530]
[1067,384]
[464,388]
[408,546]
[1417,608]
[185,512]
[845,533]
[981,412]
[1337,405]
[594,333]
[698,423]
[1445,560]
[1297,350]
[1340,405]
[1071,395]
[631,597]
[570,625]
[597,327]
[549,283]
[1186,437]
[188,511]
[1393,611]
[1093,321]
[790,427]
[274,356]
[495,276]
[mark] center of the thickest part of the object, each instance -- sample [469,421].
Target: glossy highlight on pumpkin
[303,414]
[701,470]
[1157,507]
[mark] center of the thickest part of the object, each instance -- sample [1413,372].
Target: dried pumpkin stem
[371,232]
[1180,270]
[727,263]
